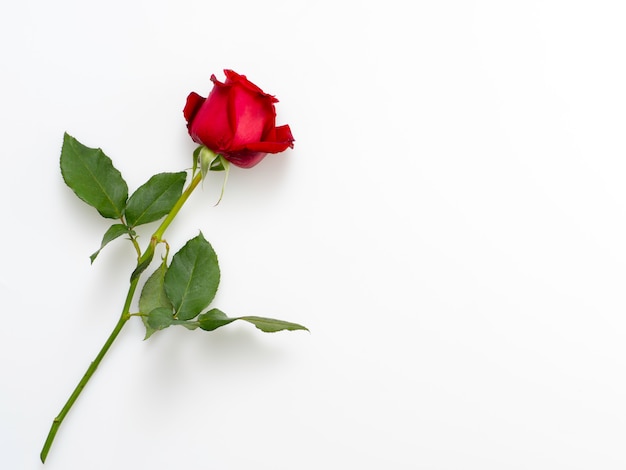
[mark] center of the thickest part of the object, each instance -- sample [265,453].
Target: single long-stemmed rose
[235,123]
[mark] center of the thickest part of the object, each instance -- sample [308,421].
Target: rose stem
[143,260]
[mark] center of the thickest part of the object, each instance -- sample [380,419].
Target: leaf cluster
[175,294]
[94,179]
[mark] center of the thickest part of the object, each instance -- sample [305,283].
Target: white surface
[451,225]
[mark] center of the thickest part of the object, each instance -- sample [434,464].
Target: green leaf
[155,198]
[192,279]
[114,231]
[94,179]
[215,318]
[159,319]
[153,293]
[271,325]
[142,266]
[189,324]
[153,297]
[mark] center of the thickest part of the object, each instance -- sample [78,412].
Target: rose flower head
[237,120]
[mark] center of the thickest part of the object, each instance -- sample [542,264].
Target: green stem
[133,239]
[179,204]
[124,317]
[56,423]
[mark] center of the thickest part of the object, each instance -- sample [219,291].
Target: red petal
[233,78]
[253,114]
[246,159]
[283,134]
[210,125]
[269,147]
[194,101]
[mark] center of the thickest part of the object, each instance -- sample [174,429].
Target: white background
[451,226]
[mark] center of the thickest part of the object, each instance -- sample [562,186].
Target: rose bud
[237,120]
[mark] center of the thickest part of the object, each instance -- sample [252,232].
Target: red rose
[236,120]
